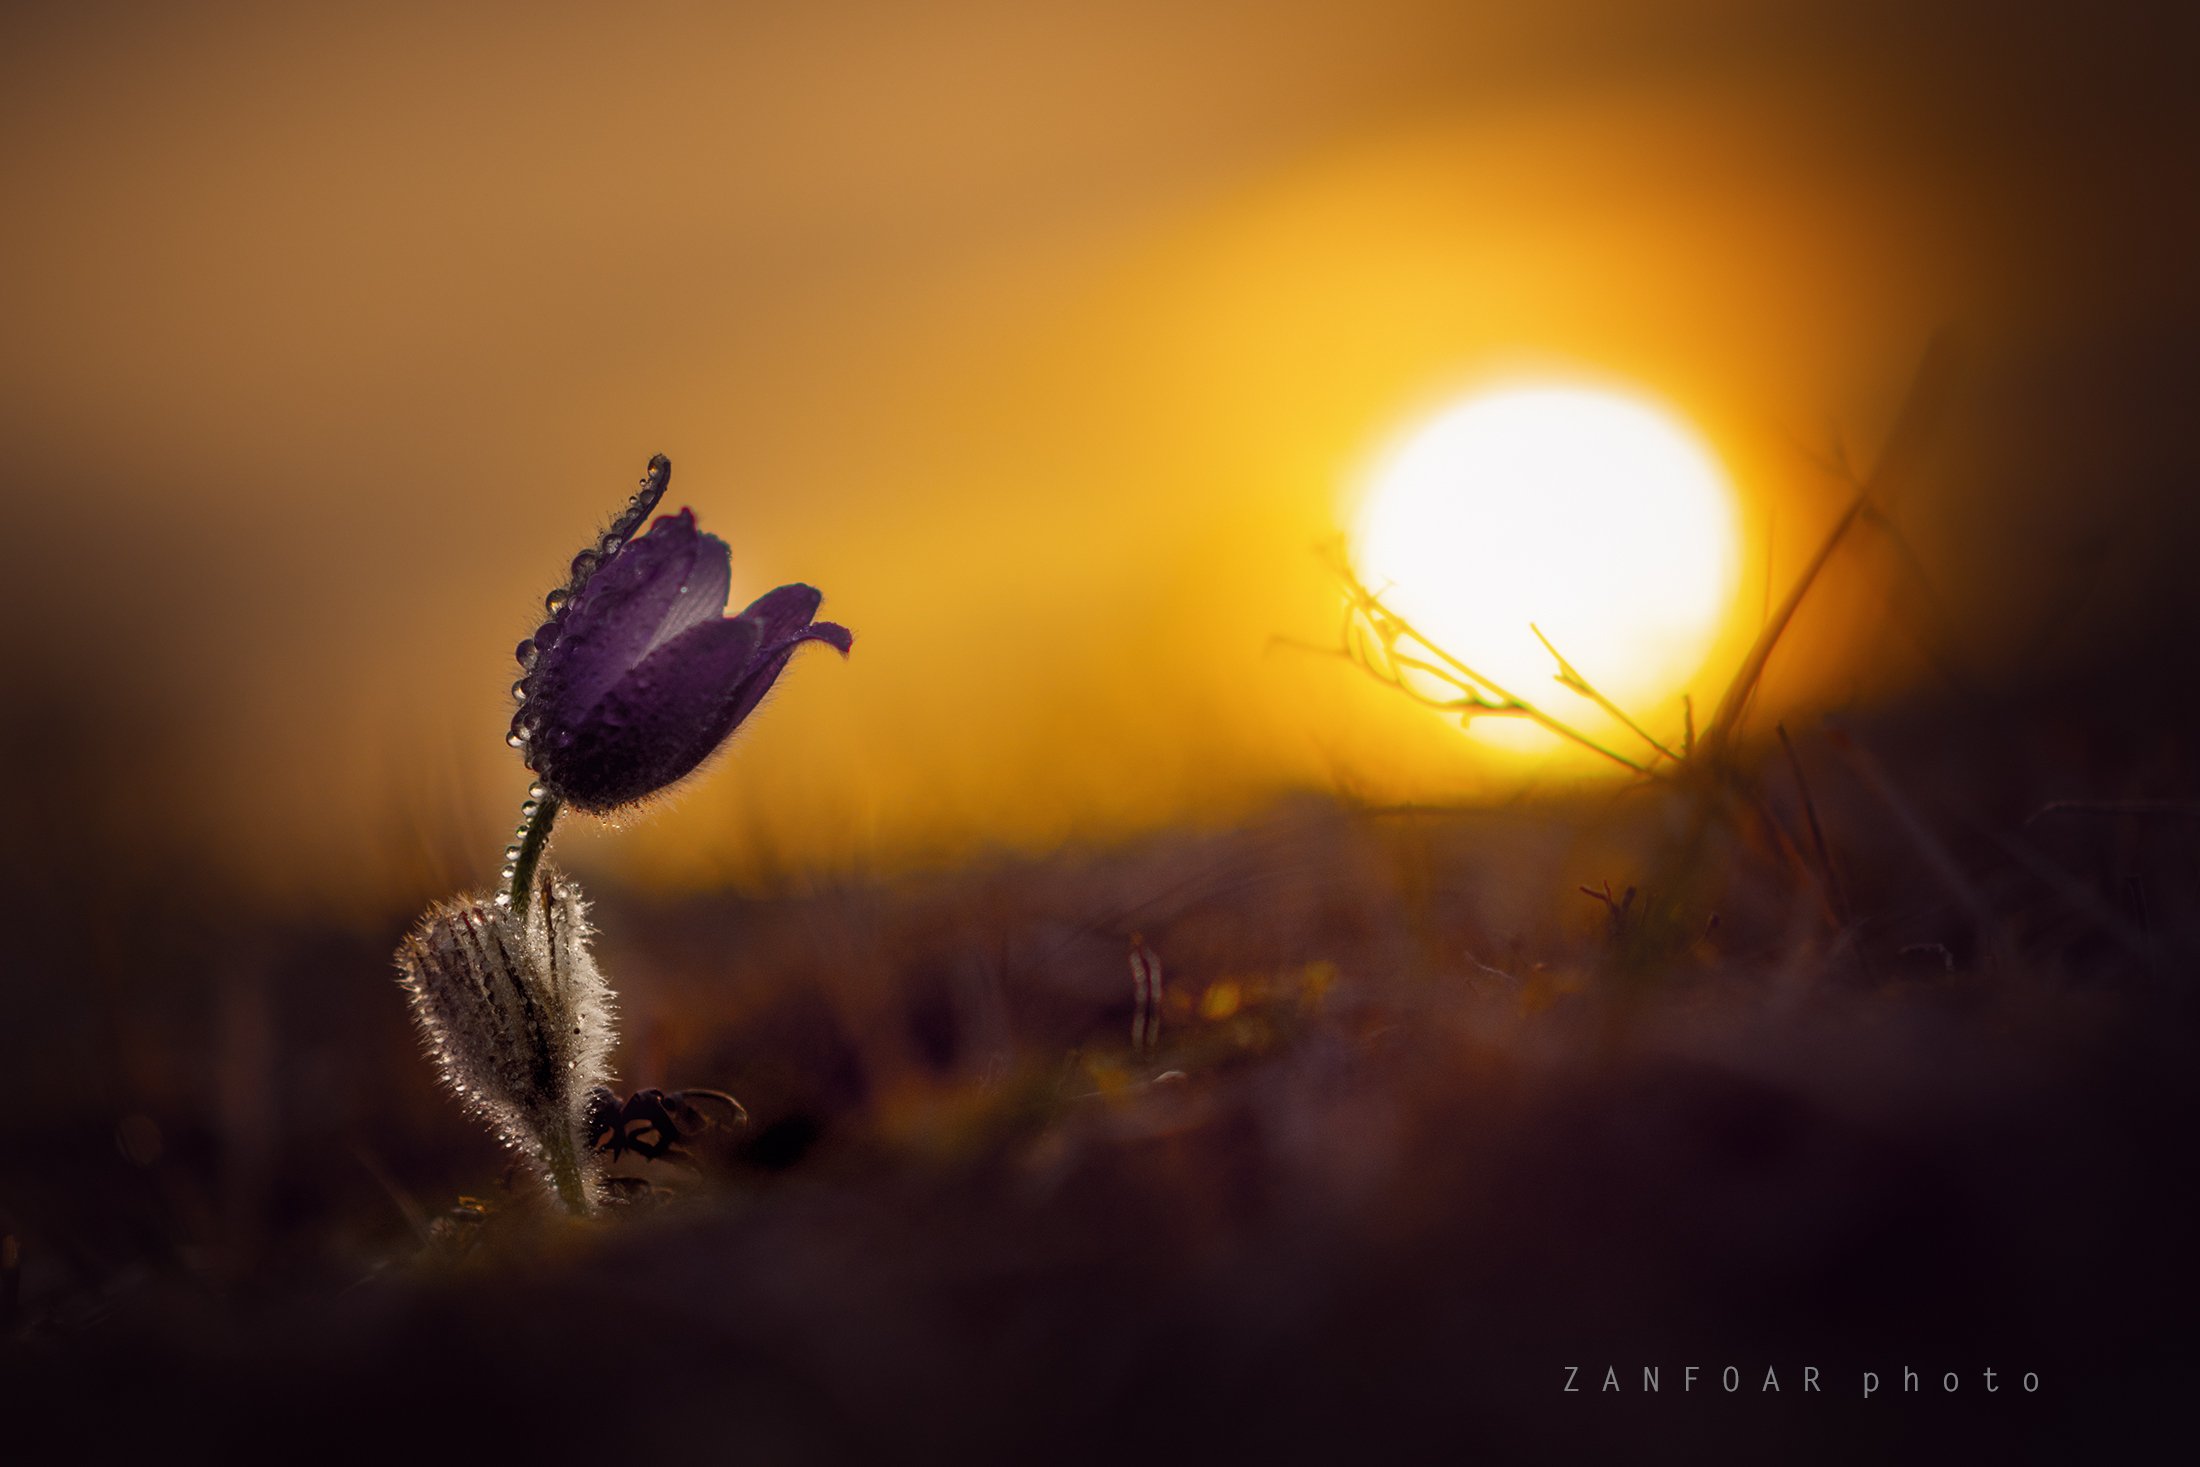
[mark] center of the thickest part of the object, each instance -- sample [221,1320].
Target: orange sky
[1045,345]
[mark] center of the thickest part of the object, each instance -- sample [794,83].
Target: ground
[1428,1133]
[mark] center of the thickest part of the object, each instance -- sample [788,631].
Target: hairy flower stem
[534,839]
[562,1157]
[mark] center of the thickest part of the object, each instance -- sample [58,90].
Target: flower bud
[638,676]
[518,1020]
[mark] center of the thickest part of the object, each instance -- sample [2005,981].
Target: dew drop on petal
[508,872]
[516,739]
[519,690]
[556,600]
[511,852]
[610,543]
[524,654]
[584,564]
[537,790]
[527,811]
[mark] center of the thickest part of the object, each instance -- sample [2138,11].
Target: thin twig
[1927,392]
[407,1208]
[1790,852]
[1570,678]
[1480,695]
[1764,583]
[1844,912]
[1935,852]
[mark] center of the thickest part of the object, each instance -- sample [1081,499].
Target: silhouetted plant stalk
[636,678]
[1720,791]
[1398,654]
[1145,998]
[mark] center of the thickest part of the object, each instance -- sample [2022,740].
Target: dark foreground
[1427,1135]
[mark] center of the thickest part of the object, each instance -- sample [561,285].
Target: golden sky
[1046,340]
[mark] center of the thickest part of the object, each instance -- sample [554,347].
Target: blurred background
[1051,342]
[1048,345]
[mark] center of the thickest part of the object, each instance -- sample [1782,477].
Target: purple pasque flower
[638,676]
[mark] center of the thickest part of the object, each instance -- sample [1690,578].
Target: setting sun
[1593,516]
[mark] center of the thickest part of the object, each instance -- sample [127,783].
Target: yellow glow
[1595,515]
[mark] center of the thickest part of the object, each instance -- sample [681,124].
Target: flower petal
[783,615]
[648,593]
[653,727]
[772,661]
[784,611]
[702,594]
[832,634]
